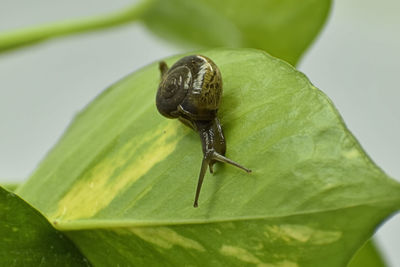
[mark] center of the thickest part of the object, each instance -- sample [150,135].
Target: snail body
[191,91]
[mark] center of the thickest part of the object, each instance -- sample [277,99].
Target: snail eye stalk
[195,100]
[163,68]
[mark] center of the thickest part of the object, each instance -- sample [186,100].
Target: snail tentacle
[191,90]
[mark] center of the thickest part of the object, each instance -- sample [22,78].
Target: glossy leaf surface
[27,238]
[123,177]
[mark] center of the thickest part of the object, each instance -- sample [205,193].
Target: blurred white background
[354,61]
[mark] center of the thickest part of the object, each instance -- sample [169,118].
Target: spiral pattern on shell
[191,88]
[172,91]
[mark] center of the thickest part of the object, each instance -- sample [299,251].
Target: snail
[191,91]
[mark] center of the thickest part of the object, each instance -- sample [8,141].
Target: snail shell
[191,88]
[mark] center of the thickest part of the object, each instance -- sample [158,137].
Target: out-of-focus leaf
[27,238]
[123,177]
[282,28]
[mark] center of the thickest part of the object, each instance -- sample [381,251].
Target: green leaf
[10,186]
[282,28]
[367,256]
[27,239]
[123,177]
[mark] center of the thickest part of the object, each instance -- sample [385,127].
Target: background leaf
[27,239]
[123,177]
[282,28]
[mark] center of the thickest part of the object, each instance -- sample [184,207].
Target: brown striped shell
[191,89]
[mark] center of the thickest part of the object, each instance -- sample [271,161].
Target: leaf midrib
[110,224]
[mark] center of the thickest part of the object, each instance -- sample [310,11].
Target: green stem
[32,35]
